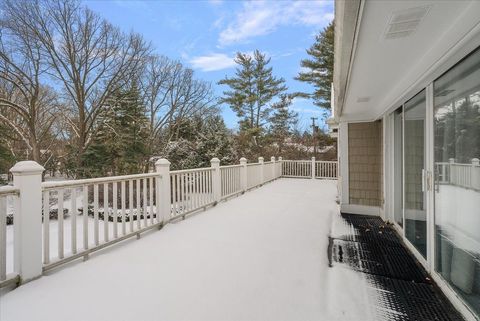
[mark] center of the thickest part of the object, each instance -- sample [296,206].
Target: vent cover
[363,99]
[405,22]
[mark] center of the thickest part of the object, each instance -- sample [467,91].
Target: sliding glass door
[451,145]
[414,169]
[457,178]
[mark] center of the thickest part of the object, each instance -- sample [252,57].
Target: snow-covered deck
[260,256]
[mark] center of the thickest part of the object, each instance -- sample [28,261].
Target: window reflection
[457,178]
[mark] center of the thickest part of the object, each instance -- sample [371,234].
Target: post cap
[243,160]
[280,158]
[313,158]
[475,161]
[162,162]
[260,159]
[272,158]
[215,160]
[27,167]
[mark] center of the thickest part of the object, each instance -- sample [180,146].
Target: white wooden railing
[326,169]
[231,176]
[8,205]
[310,169]
[462,175]
[59,221]
[120,207]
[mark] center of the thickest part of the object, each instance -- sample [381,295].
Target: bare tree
[86,55]
[27,107]
[171,94]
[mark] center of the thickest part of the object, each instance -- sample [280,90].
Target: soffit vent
[405,22]
[363,99]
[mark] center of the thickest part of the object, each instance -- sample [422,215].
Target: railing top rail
[8,190]
[230,166]
[252,164]
[296,161]
[464,164]
[89,181]
[181,171]
[266,163]
[331,162]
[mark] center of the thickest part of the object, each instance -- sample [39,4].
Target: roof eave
[347,20]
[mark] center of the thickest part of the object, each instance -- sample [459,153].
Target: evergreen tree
[120,146]
[283,120]
[251,90]
[319,68]
[198,140]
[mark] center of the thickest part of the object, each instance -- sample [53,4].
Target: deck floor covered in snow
[259,256]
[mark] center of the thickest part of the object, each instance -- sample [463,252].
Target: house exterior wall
[365,163]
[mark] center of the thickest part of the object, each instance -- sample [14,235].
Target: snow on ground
[261,256]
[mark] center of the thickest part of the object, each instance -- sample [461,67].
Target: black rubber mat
[400,286]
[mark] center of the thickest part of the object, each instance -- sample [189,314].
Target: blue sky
[205,35]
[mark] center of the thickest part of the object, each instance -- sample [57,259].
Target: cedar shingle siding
[365,163]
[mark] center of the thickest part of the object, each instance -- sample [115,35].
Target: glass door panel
[414,164]
[457,178]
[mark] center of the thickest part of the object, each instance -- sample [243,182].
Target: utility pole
[314,132]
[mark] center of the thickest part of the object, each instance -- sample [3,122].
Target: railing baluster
[105,212]
[3,238]
[205,199]
[190,192]
[201,189]
[73,208]
[95,214]
[151,200]
[197,187]
[85,217]
[175,194]
[184,193]
[138,203]
[46,226]
[123,201]
[60,224]
[115,209]
[145,203]
[130,203]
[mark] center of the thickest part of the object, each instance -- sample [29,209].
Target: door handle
[423,180]
[426,180]
[429,181]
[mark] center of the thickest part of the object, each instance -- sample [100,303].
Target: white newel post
[217,180]
[313,167]
[243,174]
[162,167]
[260,161]
[280,160]
[27,177]
[475,162]
[274,167]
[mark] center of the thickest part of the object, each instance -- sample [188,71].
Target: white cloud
[258,18]
[212,62]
